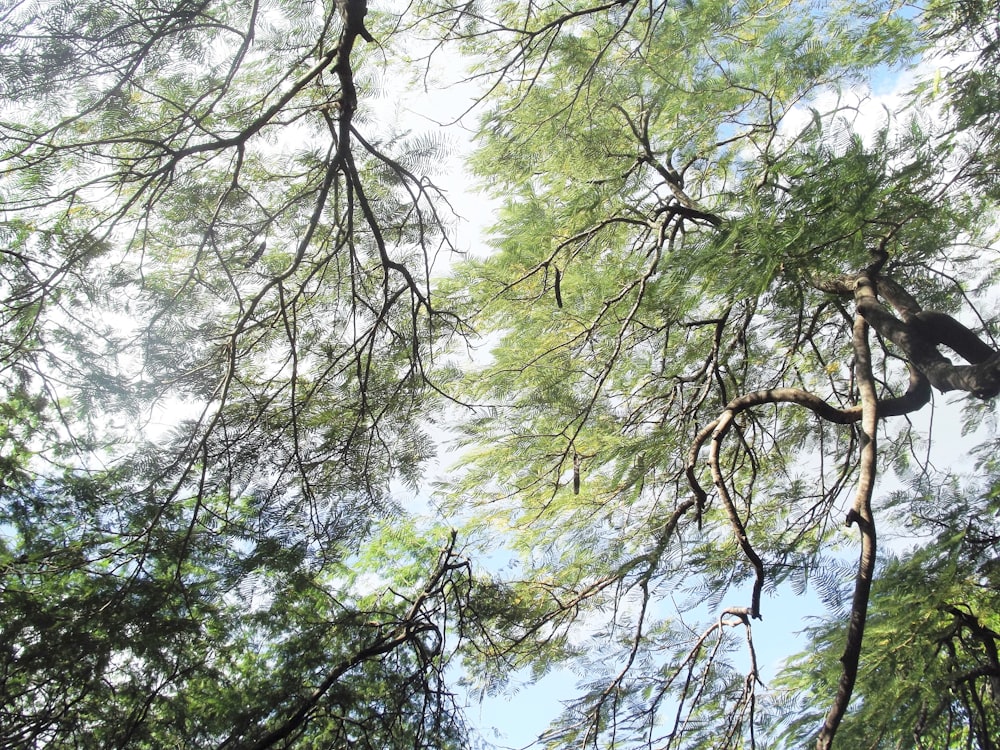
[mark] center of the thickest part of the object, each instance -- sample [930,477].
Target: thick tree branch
[861,513]
[919,333]
[919,341]
[917,395]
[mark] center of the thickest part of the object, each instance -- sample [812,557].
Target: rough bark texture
[861,514]
[919,334]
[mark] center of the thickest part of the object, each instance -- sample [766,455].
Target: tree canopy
[695,372]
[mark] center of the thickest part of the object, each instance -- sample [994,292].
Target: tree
[207,222]
[714,324]
[197,232]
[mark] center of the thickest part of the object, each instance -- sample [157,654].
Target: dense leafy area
[721,291]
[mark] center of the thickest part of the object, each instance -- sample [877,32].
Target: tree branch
[862,514]
[919,333]
[413,625]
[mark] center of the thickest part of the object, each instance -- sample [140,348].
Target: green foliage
[213,326]
[224,342]
[195,634]
[929,677]
[667,223]
[970,91]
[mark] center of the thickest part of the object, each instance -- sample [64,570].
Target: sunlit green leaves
[221,347]
[668,219]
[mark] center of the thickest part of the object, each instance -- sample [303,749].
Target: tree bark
[861,514]
[919,334]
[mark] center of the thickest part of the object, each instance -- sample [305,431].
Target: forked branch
[915,397]
[927,330]
[919,334]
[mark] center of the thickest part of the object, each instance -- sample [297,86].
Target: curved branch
[862,514]
[919,341]
[724,424]
[718,429]
[917,395]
